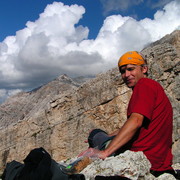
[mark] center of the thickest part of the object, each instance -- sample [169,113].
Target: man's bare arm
[125,134]
[114,133]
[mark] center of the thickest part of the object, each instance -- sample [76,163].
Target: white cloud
[164,22]
[4,93]
[54,44]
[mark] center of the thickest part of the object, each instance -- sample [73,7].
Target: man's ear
[144,69]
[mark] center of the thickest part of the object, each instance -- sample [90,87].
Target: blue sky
[42,39]
[15,13]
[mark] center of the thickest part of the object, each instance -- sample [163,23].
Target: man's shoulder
[148,81]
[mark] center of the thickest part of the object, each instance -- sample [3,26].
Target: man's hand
[93,153]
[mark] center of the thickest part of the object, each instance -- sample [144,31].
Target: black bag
[111,178]
[12,170]
[38,165]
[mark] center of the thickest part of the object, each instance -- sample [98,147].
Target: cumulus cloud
[163,22]
[55,44]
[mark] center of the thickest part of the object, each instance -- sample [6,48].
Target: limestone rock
[133,165]
[25,104]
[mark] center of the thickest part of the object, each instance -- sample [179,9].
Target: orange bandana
[131,57]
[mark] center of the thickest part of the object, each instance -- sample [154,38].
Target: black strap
[176,174]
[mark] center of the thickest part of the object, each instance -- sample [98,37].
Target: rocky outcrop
[59,115]
[131,165]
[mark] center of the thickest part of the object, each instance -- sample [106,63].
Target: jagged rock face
[24,105]
[164,66]
[59,115]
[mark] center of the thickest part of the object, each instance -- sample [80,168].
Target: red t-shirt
[155,136]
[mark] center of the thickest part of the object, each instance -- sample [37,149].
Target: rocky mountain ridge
[19,106]
[59,115]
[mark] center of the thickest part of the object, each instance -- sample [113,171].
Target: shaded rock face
[59,115]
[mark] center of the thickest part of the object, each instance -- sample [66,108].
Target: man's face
[131,74]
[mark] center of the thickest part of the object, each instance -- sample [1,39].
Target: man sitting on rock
[149,120]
